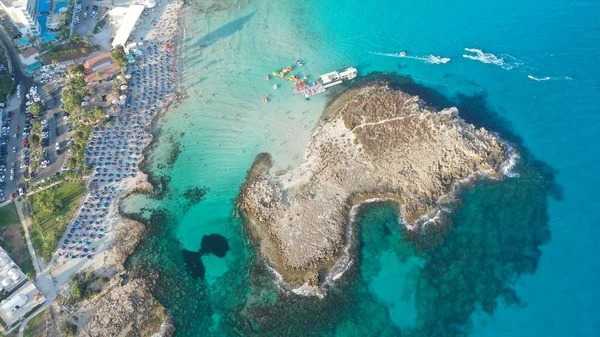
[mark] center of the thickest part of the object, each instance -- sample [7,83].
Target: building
[11,275]
[29,56]
[128,18]
[22,13]
[100,64]
[24,300]
[15,303]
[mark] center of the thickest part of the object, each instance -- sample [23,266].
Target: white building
[29,56]
[128,18]
[15,303]
[23,15]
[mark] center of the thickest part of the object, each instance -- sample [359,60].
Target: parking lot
[10,119]
[84,17]
[15,158]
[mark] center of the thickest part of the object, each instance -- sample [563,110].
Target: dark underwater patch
[214,244]
[194,196]
[211,244]
[194,264]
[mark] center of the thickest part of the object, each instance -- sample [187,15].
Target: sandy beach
[115,152]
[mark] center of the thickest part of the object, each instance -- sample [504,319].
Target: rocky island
[372,142]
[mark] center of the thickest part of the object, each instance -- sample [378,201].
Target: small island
[373,142]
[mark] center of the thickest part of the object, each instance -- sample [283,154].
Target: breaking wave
[548,78]
[505,61]
[431,59]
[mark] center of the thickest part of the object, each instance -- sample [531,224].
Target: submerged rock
[373,142]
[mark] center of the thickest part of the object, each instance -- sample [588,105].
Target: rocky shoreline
[372,142]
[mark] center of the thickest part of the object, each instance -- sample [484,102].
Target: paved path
[26,221]
[43,279]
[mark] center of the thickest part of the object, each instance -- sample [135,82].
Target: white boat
[275,86]
[335,78]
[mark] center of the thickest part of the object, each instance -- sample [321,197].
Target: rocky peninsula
[372,142]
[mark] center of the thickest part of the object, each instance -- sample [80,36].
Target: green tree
[34,138]
[36,109]
[116,84]
[99,75]
[7,86]
[49,245]
[75,39]
[34,40]
[49,200]
[98,113]
[87,39]
[69,330]
[76,293]
[71,163]
[78,69]
[118,55]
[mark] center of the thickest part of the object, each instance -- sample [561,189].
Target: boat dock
[325,81]
[308,90]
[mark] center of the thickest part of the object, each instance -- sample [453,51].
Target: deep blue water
[557,120]
[518,256]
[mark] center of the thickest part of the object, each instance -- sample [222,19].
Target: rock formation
[125,306]
[372,142]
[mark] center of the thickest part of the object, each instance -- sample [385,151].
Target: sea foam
[548,78]
[431,59]
[505,61]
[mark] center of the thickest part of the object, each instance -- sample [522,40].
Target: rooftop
[127,23]
[24,300]
[100,63]
[27,53]
[10,274]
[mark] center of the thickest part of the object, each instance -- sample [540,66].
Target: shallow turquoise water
[512,261]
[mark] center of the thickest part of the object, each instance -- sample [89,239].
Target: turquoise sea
[518,256]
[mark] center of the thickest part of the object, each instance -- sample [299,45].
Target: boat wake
[548,78]
[431,59]
[505,61]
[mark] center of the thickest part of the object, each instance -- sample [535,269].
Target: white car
[57,146]
[21,191]
[12,177]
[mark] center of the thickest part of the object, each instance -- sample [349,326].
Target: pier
[325,81]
